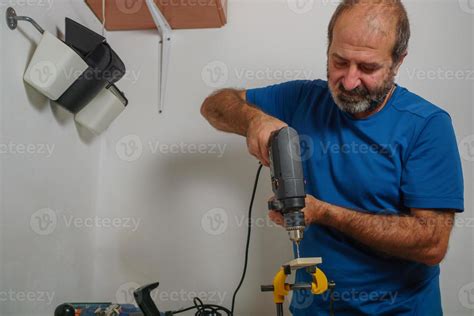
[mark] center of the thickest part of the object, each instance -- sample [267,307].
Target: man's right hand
[258,135]
[228,111]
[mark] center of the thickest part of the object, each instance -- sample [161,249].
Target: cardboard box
[180,14]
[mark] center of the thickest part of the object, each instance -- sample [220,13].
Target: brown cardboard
[180,14]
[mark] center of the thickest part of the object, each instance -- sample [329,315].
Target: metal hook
[12,20]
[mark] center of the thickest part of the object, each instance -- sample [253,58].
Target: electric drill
[287,181]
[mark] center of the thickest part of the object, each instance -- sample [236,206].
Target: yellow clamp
[320,282]
[319,285]
[280,288]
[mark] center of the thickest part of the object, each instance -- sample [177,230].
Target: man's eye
[340,64]
[367,69]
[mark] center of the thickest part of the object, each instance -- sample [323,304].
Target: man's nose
[352,79]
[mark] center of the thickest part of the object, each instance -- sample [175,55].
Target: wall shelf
[180,14]
[164,15]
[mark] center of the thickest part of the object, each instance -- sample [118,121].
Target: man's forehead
[366,28]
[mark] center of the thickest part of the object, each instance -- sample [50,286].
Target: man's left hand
[313,212]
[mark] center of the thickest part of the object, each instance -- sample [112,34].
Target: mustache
[359,92]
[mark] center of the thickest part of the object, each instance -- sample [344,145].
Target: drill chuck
[295,225]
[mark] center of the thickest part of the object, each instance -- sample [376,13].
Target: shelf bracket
[164,30]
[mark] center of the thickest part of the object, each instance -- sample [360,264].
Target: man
[382,167]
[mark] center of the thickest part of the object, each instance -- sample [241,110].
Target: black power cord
[249,232]
[216,310]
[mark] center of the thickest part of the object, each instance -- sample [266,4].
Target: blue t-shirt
[403,157]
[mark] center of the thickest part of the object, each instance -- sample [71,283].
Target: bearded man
[382,167]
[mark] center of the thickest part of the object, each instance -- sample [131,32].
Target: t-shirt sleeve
[432,175]
[278,100]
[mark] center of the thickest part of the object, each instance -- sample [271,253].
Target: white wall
[36,269]
[172,196]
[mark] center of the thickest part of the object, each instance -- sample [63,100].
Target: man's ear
[400,62]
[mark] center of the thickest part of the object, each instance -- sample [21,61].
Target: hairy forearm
[418,238]
[227,111]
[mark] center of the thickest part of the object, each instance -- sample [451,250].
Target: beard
[361,99]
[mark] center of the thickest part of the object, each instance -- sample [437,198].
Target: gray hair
[402,26]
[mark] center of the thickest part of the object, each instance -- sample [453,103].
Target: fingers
[253,148]
[259,149]
[276,217]
[258,135]
[264,153]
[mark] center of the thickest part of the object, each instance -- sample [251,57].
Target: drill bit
[297,249]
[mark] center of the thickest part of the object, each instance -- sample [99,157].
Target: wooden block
[300,263]
[180,14]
